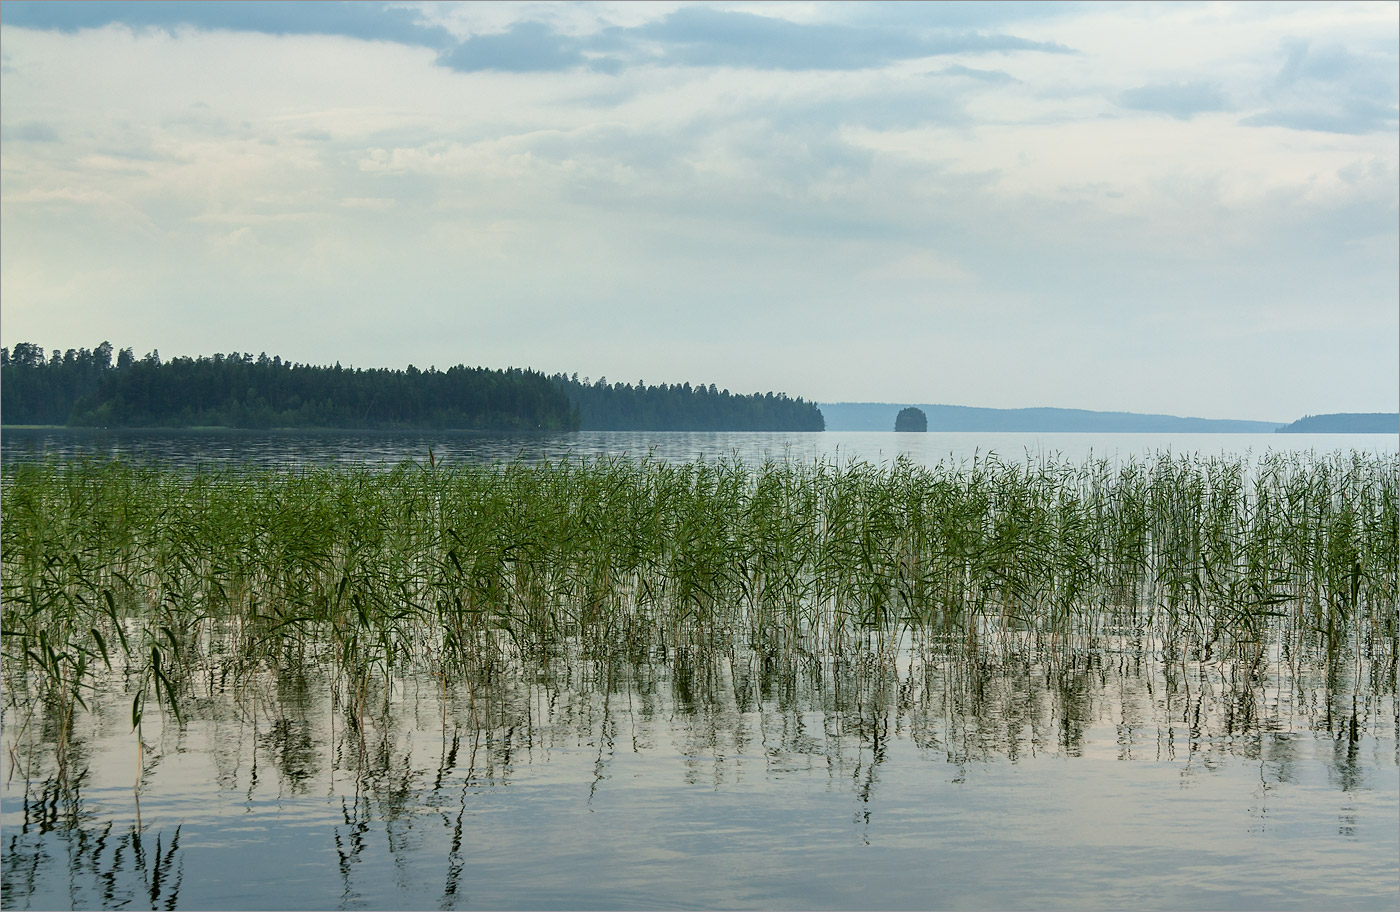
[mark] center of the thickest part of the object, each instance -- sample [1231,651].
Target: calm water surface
[909,774]
[732,780]
[295,448]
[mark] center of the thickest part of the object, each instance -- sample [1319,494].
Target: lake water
[295,448]
[714,782]
[910,774]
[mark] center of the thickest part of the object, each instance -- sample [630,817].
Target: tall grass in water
[162,573]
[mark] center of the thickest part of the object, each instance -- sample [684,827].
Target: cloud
[376,203]
[107,205]
[239,237]
[1332,64]
[709,37]
[690,36]
[366,21]
[965,14]
[31,131]
[744,176]
[705,37]
[1182,100]
[902,107]
[993,77]
[1330,89]
[198,116]
[527,47]
[1349,116]
[920,266]
[700,36]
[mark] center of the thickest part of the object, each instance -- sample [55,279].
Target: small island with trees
[911,419]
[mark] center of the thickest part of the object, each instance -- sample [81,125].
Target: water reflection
[108,865]
[295,448]
[298,448]
[417,790]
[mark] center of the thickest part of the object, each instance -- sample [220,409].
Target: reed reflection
[732,712]
[106,864]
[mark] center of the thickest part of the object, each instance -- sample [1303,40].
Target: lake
[294,448]
[901,770]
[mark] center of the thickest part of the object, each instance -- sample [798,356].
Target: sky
[1187,209]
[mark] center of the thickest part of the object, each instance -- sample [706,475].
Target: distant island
[880,416]
[1346,423]
[91,388]
[911,419]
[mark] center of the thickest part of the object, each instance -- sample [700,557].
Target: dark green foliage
[911,419]
[682,407]
[38,391]
[83,389]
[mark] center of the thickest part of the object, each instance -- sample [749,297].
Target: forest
[681,407]
[1345,423]
[104,388]
[83,388]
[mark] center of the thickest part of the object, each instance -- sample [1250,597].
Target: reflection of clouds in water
[694,746]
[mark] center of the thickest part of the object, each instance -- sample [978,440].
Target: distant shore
[1346,423]
[880,416]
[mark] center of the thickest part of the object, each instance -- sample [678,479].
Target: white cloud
[966,227]
[920,266]
[374,203]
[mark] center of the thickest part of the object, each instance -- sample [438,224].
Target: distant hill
[879,416]
[1346,423]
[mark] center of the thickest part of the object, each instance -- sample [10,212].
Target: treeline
[83,388]
[681,407]
[1345,423]
[103,388]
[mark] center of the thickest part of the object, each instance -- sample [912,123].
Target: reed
[165,573]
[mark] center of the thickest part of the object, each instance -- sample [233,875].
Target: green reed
[160,572]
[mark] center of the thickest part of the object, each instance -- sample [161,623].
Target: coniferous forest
[681,407]
[92,388]
[84,388]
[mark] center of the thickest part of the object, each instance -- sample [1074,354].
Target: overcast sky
[1188,209]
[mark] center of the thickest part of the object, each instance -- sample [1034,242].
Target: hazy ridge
[879,416]
[1346,423]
